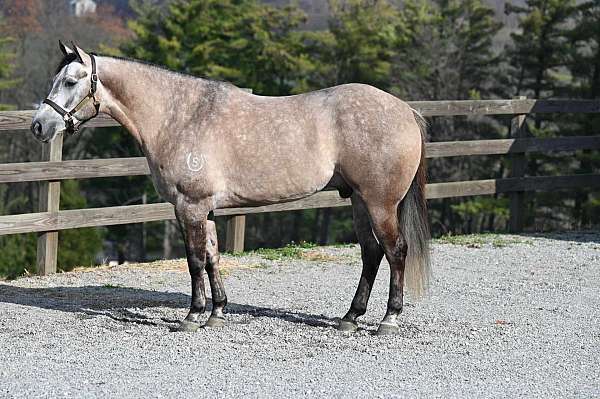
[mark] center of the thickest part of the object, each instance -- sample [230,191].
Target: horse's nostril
[36,128]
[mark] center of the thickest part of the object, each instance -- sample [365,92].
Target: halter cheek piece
[68,115]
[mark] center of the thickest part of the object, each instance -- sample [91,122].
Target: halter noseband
[68,115]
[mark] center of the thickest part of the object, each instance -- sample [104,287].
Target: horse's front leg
[219,298]
[192,222]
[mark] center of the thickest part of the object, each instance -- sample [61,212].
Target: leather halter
[68,115]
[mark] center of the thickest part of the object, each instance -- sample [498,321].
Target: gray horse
[212,145]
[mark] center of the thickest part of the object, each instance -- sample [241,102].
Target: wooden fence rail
[49,220]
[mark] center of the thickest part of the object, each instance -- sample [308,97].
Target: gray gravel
[519,319]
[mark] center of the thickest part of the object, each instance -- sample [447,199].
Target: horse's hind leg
[384,218]
[371,253]
[219,298]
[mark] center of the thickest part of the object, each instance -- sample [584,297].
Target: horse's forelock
[67,59]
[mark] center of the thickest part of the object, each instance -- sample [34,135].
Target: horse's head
[72,99]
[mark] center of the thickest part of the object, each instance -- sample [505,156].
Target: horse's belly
[276,186]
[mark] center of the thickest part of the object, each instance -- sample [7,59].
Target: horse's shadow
[117,303]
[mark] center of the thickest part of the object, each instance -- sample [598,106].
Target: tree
[585,71]
[7,57]
[363,37]
[242,41]
[541,48]
[538,59]
[445,50]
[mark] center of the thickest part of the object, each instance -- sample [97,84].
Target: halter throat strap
[67,116]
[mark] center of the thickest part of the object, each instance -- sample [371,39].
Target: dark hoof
[347,326]
[388,329]
[187,326]
[214,321]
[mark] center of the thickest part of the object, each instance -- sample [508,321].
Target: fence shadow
[117,303]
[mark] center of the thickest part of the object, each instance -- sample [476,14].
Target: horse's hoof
[388,329]
[187,326]
[215,321]
[347,326]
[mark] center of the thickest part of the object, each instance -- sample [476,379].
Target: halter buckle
[94,77]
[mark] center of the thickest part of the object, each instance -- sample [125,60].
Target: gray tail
[414,224]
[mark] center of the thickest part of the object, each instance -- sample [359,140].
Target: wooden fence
[49,220]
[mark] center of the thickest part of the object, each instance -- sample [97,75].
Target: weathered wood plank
[510,146]
[504,107]
[70,219]
[49,201]
[79,169]
[21,120]
[511,184]
[17,120]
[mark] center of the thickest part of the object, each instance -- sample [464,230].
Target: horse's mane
[162,68]
[71,57]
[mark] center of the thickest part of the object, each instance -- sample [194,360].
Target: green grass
[111,286]
[478,240]
[290,251]
[287,252]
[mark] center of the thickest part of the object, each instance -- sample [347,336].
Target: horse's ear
[78,52]
[65,50]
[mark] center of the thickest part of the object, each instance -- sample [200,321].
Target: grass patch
[479,240]
[287,252]
[224,272]
[261,265]
[301,251]
[112,286]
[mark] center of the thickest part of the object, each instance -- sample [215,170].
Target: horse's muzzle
[36,129]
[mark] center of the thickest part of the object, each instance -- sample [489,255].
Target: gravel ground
[506,316]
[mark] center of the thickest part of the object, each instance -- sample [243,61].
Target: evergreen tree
[541,47]
[538,57]
[6,63]
[363,34]
[585,70]
[242,41]
[445,50]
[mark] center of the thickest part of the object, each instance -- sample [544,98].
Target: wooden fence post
[236,228]
[518,167]
[49,200]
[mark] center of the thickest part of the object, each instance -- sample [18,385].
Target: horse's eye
[70,82]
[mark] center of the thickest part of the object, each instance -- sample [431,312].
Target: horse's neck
[140,97]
